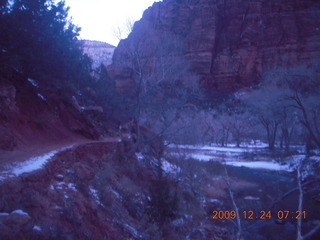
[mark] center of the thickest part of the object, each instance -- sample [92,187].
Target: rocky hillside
[36,115]
[99,52]
[229,44]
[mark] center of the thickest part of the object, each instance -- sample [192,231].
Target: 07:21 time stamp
[281,214]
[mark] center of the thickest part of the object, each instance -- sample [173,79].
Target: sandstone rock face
[229,44]
[99,52]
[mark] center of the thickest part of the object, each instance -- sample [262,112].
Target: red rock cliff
[229,44]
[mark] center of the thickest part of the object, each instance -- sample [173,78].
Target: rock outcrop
[229,44]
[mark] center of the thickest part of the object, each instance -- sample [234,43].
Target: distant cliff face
[99,52]
[229,44]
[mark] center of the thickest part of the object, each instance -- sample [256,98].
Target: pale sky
[99,18]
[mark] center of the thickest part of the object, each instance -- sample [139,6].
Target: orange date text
[281,214]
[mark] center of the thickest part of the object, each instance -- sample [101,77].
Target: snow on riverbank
[272,166]
[231,148]
[231,156]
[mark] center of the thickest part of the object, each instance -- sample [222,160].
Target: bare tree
[301,89]
[160,79]
[123,30]
[310,115]
[267,104]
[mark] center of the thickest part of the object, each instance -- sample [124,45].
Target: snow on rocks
[132,231]
[42,97]
[169,167]
[37,228]
[18,211]
[63,186]
[15,220]
[95,195]
[21,212]
[72,187]
[33,82]
[140,156]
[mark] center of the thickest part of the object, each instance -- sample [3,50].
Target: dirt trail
[11,162]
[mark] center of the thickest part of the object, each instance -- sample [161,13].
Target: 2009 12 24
[281,214]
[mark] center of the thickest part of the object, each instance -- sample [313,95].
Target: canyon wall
[99,52]
[228,44]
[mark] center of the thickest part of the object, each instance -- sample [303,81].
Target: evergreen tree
[37,38]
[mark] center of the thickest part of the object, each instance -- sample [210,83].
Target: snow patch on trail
[33,163]
[30,165]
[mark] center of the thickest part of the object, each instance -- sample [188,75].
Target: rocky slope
[34,115]
[96,191]
[93,191]
[229,44]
